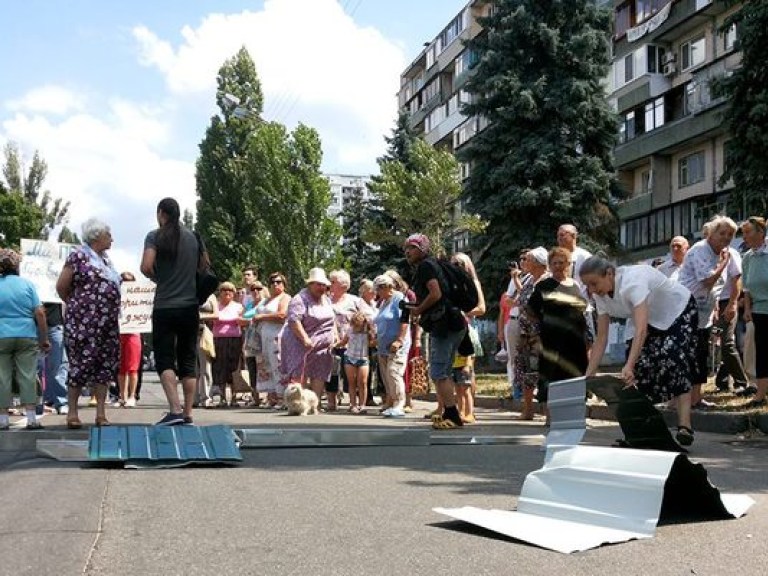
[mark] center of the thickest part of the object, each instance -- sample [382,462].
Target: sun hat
[420,241]
[317,275]
[539,255]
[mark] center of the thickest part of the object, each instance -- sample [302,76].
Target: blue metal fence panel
[163,444]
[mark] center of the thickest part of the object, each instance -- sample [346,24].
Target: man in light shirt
[677,250]
[567,235]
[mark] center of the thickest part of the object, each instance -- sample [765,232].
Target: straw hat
[317,275]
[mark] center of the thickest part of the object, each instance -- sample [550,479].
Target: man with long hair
[172,256]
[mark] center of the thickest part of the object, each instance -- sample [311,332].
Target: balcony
[636,206]
[664,140]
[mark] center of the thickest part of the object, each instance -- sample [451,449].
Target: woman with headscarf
[309,335]
[23,332]
[172,256]
[90,287]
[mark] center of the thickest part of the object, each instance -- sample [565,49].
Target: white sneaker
[387,413]
[63,410]
[130,403]
[394,413]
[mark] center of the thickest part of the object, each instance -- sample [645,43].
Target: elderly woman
[268,318]
[661,332]
[559,308]
[345,305]
[527,353]
[23,332]
[90,287]
[393,337]
[755,282]
[227,340]
[307,341]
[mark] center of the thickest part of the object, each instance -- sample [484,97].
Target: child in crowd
[463,376]
[356,363]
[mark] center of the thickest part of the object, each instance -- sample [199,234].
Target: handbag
[206,281]
[419,379]
[241,380]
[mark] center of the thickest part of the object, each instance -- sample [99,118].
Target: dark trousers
[730,361]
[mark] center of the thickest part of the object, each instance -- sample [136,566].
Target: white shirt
[642,283]
[732,270]
[699,264]
[578,256]
[670,269]
[514,311]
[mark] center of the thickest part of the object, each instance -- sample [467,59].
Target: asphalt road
[343,511]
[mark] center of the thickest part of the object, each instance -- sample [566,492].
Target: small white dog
[300,401]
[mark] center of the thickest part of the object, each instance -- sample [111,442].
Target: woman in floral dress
[90,287]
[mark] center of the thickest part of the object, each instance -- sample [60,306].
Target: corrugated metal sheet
[172,445]
[586,496]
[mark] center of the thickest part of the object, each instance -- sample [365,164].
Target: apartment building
[343,186]
[431,88]
[673,144]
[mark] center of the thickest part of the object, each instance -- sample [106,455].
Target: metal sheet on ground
[567,412]
[586,496]
[330,437]
[172,445]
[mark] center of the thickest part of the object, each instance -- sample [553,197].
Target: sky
[116,96]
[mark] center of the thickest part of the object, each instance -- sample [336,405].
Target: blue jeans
[55,367]
[442,349]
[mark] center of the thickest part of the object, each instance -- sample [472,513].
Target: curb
[713,421]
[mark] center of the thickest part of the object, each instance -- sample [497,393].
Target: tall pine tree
[545,156]
[747,113]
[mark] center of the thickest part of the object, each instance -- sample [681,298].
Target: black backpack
[461,290]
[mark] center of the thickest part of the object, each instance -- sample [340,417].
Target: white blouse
[637,284]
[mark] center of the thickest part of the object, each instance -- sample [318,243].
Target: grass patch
[492,385]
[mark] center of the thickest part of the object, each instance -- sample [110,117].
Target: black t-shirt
[443,316]
[426,270]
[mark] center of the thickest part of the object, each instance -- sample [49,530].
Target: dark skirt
[667,362]
[227,359]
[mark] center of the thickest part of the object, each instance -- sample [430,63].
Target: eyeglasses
[276,281]
[257,288]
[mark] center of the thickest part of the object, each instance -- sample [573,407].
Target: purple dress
[91,326]
[317,318]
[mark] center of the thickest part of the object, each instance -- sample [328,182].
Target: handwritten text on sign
[136,300]
[41,264]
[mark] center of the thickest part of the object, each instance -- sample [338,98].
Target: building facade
[431,89]
[343,187]
[673,144]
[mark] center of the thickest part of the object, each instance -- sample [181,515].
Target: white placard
[136,300]
[41,264]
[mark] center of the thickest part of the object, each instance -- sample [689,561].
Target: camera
[405,304]
[512,265]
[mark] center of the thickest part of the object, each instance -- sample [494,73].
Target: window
[655,59]
[689,100]
[702,3]
[623,19]
[629,68]
[693,53]
[642,10]
[627,128]
[647,182]
[690,169]
[729,38]
[431,90]
[654,114]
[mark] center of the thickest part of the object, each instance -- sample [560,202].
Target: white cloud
[316,65]
[107,168]
[48,100]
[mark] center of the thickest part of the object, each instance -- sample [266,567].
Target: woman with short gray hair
[661,332]
[90,287]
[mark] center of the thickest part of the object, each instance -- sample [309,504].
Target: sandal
[431,415]
[102,421]
[74,423]
[684,435]
[469,419]
[445,424]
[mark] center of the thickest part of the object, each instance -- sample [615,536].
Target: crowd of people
[554,324]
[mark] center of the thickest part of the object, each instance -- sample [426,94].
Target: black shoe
[684,436]
[188,420]
[171,419]
[748,390]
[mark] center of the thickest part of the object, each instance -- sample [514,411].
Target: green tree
[545,156]
[356,251]
[420,194]
[188,220]
[26,209]
[261,196]
[380,226]
[67,236]
[747,112]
